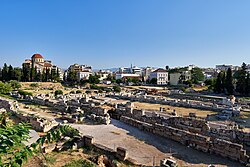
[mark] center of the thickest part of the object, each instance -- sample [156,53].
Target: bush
[34,85]
[93,86]
[58,92]
[79,163]
[24,93]
[88,91]
[72,92]
[5,88]
[15,84]
[78,92]
[117,88]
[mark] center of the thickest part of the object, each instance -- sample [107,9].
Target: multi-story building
[103,74]
[82,71]
[78,68]
[146,72]
[126,75]
[161,75]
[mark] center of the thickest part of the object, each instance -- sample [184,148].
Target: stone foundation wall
[200,142]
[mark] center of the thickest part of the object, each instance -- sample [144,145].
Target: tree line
[28,74]
[227,82]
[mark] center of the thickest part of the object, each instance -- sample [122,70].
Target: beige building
[179,77]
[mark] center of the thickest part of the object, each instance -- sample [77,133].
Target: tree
[210,83]
[117,88]
[72,76]
[153,81]
[15,84]
[229,82]
[94,79]
[197,75]
[218,85]
[248,84]
[10,73]
[58,92]
[26,73]
[5,72]
[17,74]
[241,85]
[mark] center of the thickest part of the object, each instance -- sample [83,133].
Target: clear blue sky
[113,33]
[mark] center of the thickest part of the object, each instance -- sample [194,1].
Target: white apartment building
[161,75]
[83,75]
[126,75]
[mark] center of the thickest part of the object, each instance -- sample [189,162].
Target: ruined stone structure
[195,133]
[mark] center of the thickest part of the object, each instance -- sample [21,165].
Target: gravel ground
[143,146]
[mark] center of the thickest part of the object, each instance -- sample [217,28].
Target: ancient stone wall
[197,141]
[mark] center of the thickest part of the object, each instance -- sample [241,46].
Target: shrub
[24,93]
[58,92]
[93,86]
[79,163]
[72,92]
[5,88]
[117,88]
[78,91]
[88,91]
[34,85]
[15,84]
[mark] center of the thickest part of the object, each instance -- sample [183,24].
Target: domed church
[40,64]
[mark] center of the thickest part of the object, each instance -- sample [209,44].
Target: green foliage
[229,82]
[242,81]
[117,88]
[12,150]
[94,79]
[177,70]
[72,92]
[153,81]
[58,92]
[197,75]
[72,76]
[24,93]
[15,84]
[188,82]
[118,81]
[78,92]
[93,86]
[5,88]
[80,163]
[88,91]
[34,85]
[50,159]
[210,83]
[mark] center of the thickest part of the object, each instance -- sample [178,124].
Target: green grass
[7,96]
[80,163]
[50,159]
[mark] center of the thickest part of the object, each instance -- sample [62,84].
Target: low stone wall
[200,142]
[120,153]
[174,102]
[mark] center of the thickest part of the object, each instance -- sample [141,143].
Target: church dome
[37,56]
